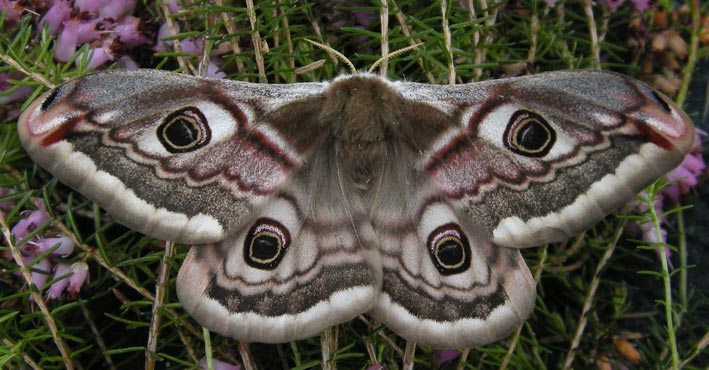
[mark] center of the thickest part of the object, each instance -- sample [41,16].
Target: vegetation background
[605,299]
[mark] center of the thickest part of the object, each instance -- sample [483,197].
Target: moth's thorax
[363,113]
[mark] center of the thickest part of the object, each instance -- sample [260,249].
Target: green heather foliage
[605,299]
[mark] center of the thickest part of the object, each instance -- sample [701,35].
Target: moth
[309,204]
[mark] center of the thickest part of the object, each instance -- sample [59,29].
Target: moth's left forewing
[544,157]
[176,157]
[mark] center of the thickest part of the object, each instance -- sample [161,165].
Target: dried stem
[409,354]
[289,42]
[184,66]
[28,360]
[256,40]
[233,39]
[593,34]
[384,20]
[590,296]
[97,335]
[515,338]
[161,288]
[246,357]
[447,41]
[20,68]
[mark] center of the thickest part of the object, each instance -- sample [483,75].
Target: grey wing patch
[431,295]
[326,272]
[175,157]
[444,283]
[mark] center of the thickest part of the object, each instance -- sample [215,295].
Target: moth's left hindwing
[314,203]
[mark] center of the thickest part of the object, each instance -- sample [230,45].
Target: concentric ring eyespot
[529,134]
[449,249]
[184,130]
[266,244]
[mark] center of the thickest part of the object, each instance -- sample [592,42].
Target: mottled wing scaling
[175,157]
[304,262]
[541,158]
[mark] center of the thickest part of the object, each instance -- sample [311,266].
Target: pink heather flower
[364,17]
[63,271]
[28,224]
[129,33]
[174,6]
[81,274]
[66,245]
[190,45]
[164,31]
[640,5]
[39,271]
[10,92]
[100,55]
[13,9]
[444,355]
[551,3]
[107,8]
[218,365]
[213,69]
[91,30]
[56,16]
[613,5]
[68,39]
[685,175]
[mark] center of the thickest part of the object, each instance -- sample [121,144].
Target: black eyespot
[266,244]
[662,101]
[449,249]
[529,134]
[52,98]
[184,130]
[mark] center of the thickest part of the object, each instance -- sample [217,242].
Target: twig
[696,350]
[256,40]
[447,41]
[97,334]
[588,302]
[534,34]
[35,76]
[233,39]
[28,360]
[401,19]
[384,20]
[184,66]
[515,338]
[409,353]
[289,42]
[246,357]
[593,33]
[158,303]
[328,348]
